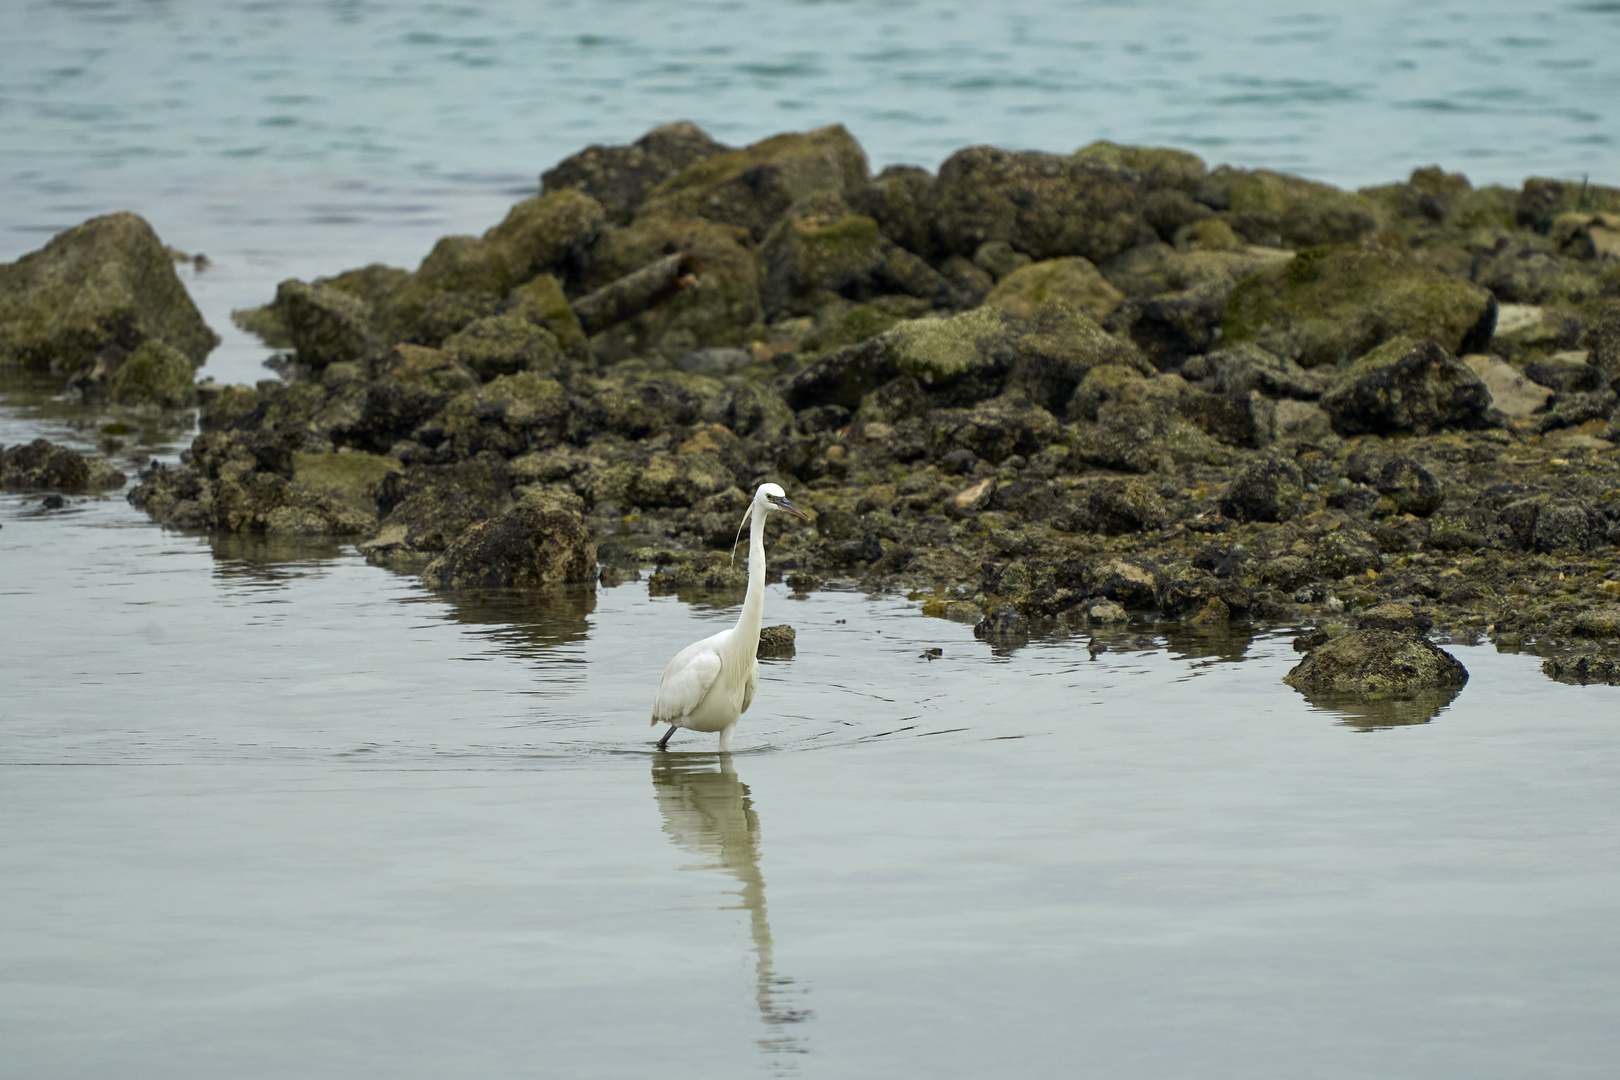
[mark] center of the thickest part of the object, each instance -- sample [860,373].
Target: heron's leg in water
[725,738]
[663,744]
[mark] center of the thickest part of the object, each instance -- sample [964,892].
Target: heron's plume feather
[746,515]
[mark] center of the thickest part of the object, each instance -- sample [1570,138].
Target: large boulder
[43,466]
[753,187]
[426,507]
[901,200]
[108,284]
[619,177]
[503,345]
[540,541]
[1045,205]
[326,325]
[1330,305]
[1405,387]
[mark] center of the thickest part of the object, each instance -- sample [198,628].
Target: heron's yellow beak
[790,508]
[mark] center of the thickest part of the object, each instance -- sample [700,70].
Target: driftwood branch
[636,292]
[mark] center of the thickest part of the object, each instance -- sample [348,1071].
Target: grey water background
[268,811]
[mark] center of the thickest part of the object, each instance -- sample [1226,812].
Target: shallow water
[271,812]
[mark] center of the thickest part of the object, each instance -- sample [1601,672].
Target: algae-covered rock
[546,233]
[1045,205]
[1330,305]
[156,373]
[1247,367]
[901,200]
[1412,488]
[1272,208]
[1402,386]
[1586,670]
[108,283]
[540,541]
[819,247]
[1114,507]
[326,325]
[619,177]
[1603,345]
[1345,553]
[43,466]
[1160,166]
[541,301]
[1266,490]
[970,357]
[426,507]
[680,479]
[751,188]
[509,414]
[1376,663]
[1073,282]
[720,306]
[503,345]
[352,479]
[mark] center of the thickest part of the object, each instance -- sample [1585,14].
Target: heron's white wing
[749,686]
[686,681]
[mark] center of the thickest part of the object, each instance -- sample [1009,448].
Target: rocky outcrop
[43,466]
[1402,386]
[540,541]
[1376,663]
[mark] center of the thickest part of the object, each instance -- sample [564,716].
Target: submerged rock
[539,541]
[43,466]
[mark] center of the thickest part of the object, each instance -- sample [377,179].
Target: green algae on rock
[106,284]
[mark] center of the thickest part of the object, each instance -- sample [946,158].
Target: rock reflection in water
[543,617]
[707,811]
[1367,714]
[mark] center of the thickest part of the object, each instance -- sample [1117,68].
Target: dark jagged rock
[1412,488]
[776,642]
[43,466]
[540,541]
[1266,490]
[1406,387]
[1584,670]
[619,177]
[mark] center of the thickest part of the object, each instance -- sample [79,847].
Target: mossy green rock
[155,374]
[351,479]
[541,301]
[901,200]
[504,345]
[43,466]
[721,308]
[1273,208]
[1332,304]
[544,233]
[1072,282]
[1376,664]
[1161,167]
[326,325]
[820,248]
[107,282]
[619,177]
[1045,205]
[751,188]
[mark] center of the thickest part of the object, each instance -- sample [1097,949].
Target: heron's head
[772,497]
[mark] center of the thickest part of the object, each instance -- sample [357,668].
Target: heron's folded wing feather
[685,683]
[749,686]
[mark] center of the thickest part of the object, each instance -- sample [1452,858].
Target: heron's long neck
[753,609]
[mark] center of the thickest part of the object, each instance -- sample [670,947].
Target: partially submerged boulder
[108,284]
[1376,664]
[540,541]
[43,466]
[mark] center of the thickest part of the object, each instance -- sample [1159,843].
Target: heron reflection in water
[707,811]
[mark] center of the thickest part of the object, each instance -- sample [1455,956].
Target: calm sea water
[267,811]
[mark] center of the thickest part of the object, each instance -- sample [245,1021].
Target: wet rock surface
[1041,392]
[41,465]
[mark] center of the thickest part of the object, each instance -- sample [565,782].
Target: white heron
[710,683]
